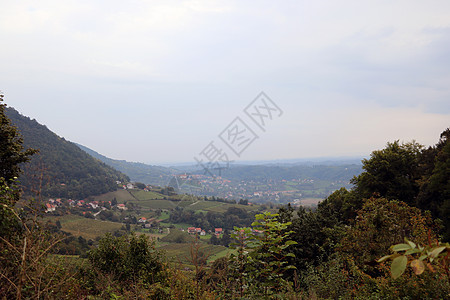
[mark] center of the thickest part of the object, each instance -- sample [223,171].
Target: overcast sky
[157,81]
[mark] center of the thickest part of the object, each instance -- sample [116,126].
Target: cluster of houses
[195,230]
[52,204]
[272,193]
[147,223]
[128,186]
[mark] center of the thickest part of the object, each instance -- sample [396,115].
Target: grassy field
[155,204]
[164,215]
[143,195]
[226,251]
[203,205]
[120,195]
[177,225]
[87,228]
[185,203]
[224,207]
[152,235]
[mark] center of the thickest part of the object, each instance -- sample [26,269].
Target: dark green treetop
[12,152]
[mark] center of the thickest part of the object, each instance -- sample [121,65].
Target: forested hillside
[65,169]
[155,175]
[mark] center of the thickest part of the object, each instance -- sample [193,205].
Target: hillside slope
[148,174]
[65,169]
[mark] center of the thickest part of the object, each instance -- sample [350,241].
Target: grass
[151,235]
[177,225]
[155,204]
[164,215]
[143,195]
[224,207]
[206,237]
[203,205]
[185,203]
[87,228]
[120,195]
[67,260]
[178,236]
[226,251]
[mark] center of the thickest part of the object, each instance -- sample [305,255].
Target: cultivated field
[87,228]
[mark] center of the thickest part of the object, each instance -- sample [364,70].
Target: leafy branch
[418,257]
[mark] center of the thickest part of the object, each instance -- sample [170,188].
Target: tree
[243,202]
[261,257]
[380,224]
[434,192]
[392,173]
[214,240]
[12,152]
[128,259]
[307,229]
[340,207]
[140,185]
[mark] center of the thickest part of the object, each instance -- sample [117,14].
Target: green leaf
[412,251]
[410,243]
[290,267]
[437,251]
[422,257]
[386,257]
[401,247]
[398,266]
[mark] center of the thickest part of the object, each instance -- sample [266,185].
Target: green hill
[65,170]
[148,174]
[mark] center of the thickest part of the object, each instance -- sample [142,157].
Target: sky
[170,81]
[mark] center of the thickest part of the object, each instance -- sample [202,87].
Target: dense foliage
[408,172]
[12,152]
[233,216]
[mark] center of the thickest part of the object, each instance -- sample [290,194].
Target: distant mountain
[276,183]
[148,174]
[330,170]
[342,172]
[65,169]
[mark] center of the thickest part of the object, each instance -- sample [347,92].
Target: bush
[128,260]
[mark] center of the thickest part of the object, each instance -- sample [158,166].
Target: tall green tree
[434,192]
[392,172]
[129,261]
[12,152]
[261,257]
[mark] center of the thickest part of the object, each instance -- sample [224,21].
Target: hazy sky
[157,81]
